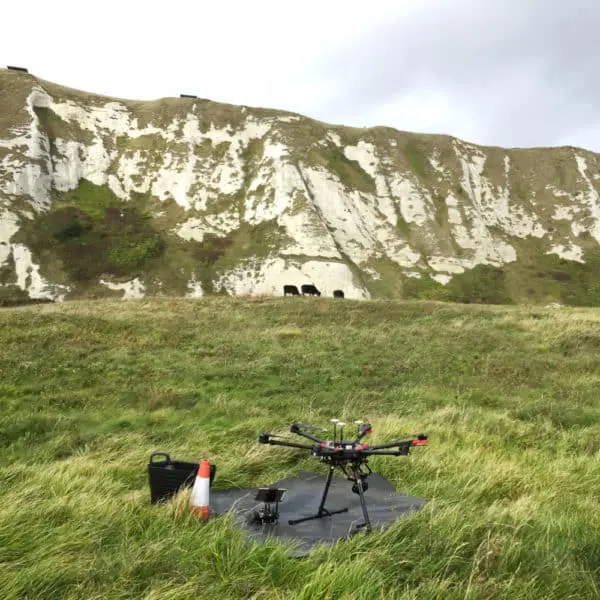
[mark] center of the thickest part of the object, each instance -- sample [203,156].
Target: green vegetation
[403,227]
[14,89]
[390,284]
[483,284]
[540,277]
[416,157]
[423,288]
[349,172]
[8,273]
[260,240]
[252,155]
[92,233]
[11,293]
[536,278]
[55,127]
[89,198]
[508,397]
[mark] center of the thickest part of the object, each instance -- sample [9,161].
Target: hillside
[103,197]
[509,399]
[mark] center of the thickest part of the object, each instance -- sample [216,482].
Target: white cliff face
[8,227]
[27,273]
[569,252]
[26,172]
[493,207]
[255,278]
[591,199]
[29,278]
[132,290]
[76,162]
[224,176]
[194,289]
[470,231]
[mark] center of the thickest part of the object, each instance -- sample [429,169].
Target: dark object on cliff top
[310,290]
[290,290]
[21,69]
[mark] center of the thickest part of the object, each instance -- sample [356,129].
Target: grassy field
[508,396]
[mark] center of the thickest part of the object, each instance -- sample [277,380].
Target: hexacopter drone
[348,455]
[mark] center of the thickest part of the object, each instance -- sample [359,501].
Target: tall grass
[508,396]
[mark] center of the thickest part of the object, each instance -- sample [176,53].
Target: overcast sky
[496,72]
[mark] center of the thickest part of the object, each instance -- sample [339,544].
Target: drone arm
[397,444]
[402,451]
[420,440]
[297,428]
[265,438]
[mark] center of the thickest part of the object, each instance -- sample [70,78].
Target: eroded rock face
[247,200]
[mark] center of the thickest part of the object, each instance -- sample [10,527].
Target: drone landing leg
[322,512]
[363,503]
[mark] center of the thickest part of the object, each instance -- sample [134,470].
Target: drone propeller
[311,427]
[281,437]
[358,423]
[335,422]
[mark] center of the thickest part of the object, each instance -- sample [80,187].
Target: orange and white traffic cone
[200,499]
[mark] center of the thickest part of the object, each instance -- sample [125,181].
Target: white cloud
[427,111]
[507,73]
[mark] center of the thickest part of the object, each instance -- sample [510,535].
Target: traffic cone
[199,501]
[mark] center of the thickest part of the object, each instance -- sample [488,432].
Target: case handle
[154,454]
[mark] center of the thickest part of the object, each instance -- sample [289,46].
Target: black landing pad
[384,504]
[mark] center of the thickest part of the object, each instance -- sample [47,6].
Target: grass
[55,127]
[535,277]
[508,396]
[349,172]
[417,158]
[90,232]
[14,88]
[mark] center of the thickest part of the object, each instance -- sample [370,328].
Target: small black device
[269,496]
[351,456]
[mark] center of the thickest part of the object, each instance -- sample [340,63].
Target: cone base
[200,512]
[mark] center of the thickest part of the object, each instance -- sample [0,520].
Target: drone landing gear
[322,512]
[360,486]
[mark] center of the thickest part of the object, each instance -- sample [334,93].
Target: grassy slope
[508,396]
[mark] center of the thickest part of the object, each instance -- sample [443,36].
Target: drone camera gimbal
[344,454]
[269,496]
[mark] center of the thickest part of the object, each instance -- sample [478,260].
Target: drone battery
[167,477]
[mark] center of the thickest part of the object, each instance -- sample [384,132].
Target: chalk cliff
[104,197]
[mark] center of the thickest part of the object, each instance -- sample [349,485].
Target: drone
[350,456]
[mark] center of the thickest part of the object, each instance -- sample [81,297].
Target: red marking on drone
[420,442]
